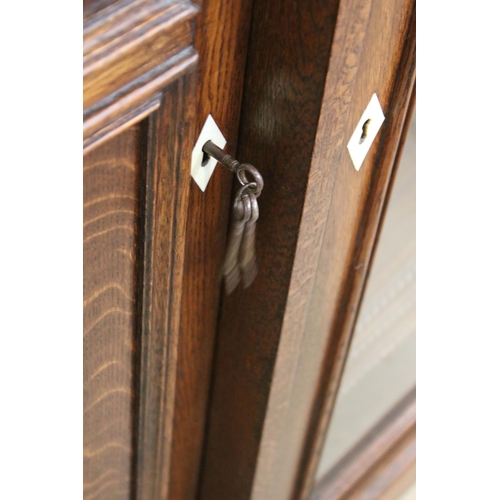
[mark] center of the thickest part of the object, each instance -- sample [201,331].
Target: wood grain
[139,64]
[164,200]
[373,449]
[141,358]
[345,276]
[132,50]
[281,104]
[278,343]
[221,40]
[111,175]
[93,6]
[299,106]
[380,364]
[113,56]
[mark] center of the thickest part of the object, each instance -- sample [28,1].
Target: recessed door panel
[111,175]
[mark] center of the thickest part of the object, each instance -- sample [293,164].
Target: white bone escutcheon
[365,132]
[202,173]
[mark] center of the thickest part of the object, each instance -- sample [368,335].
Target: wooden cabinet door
[136,180]
[153,243]
[186,394]
[312,68]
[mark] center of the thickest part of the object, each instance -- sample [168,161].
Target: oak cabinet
[189,393]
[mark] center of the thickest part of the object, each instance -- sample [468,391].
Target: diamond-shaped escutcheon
[202,171]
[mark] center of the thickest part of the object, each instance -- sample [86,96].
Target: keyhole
[205,159]
[364,133]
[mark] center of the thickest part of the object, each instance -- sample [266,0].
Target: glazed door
[153,242]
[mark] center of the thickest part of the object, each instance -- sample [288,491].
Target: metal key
[247,256]
[240,261]
[242,210]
